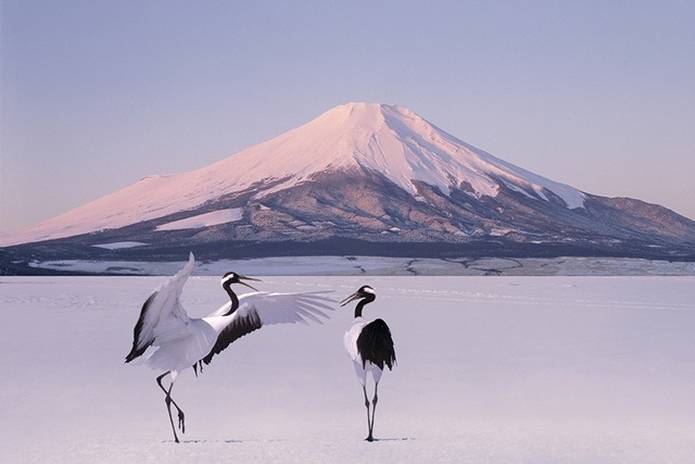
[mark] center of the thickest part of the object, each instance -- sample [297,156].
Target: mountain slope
[366,172]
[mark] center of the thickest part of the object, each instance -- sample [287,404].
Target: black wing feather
[376,345]
[239,327]
[134,351]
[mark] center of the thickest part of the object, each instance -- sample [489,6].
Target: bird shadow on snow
[234,441]
[395,439]
[205,441]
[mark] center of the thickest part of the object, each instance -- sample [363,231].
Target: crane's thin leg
[369,423]
[374,401]
[169,400]
[159,382]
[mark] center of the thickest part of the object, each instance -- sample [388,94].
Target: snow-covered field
[491,370]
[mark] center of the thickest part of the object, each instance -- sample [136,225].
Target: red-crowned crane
[181,342]
[370,346]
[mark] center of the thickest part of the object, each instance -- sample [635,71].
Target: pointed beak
[242,278]
[354,296]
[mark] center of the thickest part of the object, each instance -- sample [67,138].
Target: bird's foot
[182,422]
[369,438]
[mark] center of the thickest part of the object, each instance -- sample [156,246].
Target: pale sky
[97,94]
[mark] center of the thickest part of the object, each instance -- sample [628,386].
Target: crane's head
[233,278]
[364,292]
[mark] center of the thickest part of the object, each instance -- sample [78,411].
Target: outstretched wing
[162,318]
[376,345]
[263,308]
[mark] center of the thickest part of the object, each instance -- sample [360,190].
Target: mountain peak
[359,117]
[389,140]
[359,107]
[404,147]
[365,115]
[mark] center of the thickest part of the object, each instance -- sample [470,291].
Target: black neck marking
[235,301]
[363,302]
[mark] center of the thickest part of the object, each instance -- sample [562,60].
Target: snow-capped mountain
[369,172]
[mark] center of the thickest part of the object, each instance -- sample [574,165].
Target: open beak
[242,278]
[354,296]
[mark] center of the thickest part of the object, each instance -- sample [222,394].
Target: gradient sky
[97,94]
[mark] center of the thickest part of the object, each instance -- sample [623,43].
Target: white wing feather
[162,318]
[264,308]
[280,305]
[286,308]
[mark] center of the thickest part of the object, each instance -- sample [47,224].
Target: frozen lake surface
[491,370]
[379,265]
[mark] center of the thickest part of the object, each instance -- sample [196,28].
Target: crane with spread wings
[175,341]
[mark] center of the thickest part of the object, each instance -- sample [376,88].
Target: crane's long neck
[363,302]
[233,297]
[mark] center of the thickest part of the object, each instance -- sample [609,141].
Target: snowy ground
[491,370]
[374,265]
